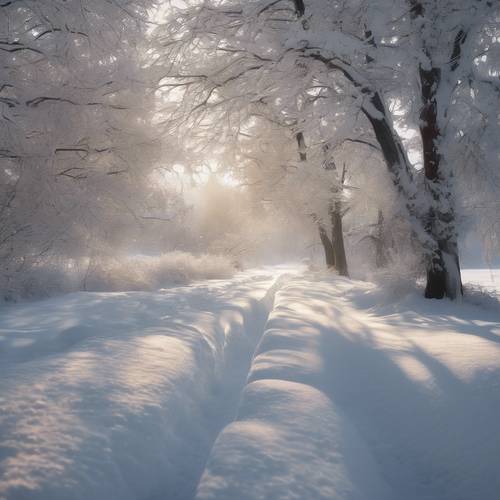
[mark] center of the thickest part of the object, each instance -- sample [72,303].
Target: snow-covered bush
[481,296]
[39,280]
[401,278]
[148,273]
[113,274]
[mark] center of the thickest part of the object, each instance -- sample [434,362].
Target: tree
[76,138]
[277,58]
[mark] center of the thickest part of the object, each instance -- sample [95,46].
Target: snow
[259,386]
[488,279]
[290,442]
[120,395]
[351,398]
[117,274]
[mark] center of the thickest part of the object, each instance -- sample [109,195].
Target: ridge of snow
[351,396]
[120,395]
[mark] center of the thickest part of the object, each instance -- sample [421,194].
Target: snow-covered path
[352,394]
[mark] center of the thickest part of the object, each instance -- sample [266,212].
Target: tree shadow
[430,315]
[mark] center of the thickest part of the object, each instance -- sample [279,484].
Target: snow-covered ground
[489,279]
[352,394]
[120,395]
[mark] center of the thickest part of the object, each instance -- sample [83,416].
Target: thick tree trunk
[443,268]
[443,273]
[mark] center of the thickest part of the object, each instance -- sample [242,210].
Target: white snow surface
[120,395]
[488,279]
[351,393]
[352,397]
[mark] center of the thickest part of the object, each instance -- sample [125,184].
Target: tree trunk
[443,270]
[380,256]
[338,240]
[325,240]
[436,228]
[327,247]
[299,7]
[443,267]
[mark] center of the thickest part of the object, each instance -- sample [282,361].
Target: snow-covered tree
[77,146]
[400,69]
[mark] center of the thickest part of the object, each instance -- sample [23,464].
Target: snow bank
[349,396]
[352,397]
[121,395]
[290,439]
[290,442]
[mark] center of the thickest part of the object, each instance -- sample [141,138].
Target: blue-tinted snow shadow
[413,310]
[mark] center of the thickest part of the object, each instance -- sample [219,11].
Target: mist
[249,249]
[129,132]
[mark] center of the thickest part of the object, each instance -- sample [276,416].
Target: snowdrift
[108,396]
[348,398]
[194,391]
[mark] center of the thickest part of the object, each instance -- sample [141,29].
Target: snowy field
[489,279]
[120,395]
[268,385]
[349,398]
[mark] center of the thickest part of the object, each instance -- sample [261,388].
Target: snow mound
[352,397]
[349,396]
[121,395]
[290,442]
